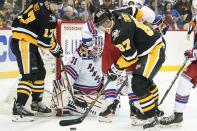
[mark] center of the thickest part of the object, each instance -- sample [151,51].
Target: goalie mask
[91,49]
[194,7]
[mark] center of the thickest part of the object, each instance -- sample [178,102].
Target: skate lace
[169,118]
[24,110]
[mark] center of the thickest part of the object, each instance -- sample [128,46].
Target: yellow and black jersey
[133,39]
[36,24]
[131,10]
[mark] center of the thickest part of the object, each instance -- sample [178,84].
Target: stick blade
[70,122]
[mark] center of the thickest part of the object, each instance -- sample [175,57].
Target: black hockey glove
[57,51]
[113,72]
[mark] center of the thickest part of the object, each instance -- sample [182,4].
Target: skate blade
[137,122]
[40,114]
[173,125]
[155,128]
[18,118]
[104,119]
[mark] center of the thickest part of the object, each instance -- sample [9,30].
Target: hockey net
[68,35]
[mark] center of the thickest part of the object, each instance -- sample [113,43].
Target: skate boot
[151,124]
[106,115]
[159,113]
[137,118]
[173,120]
[21,114]
[40,109]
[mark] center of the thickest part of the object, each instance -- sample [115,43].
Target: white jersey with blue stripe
[84,74]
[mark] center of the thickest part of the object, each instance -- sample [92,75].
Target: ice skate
[151,124]
[137,118]
[106,115]
[174,120]
[40,109]
[20,114]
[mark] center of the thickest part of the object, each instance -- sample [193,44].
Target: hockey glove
[191,55]
[161,24]
[57,51]
[113,72]
[158,20]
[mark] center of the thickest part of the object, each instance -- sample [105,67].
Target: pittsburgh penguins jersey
[131,10]
[133,39]
[36,24]
[192,24]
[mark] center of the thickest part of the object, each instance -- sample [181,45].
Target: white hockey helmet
[194,7]
[92,44]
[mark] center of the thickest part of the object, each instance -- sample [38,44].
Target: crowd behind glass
[177,13]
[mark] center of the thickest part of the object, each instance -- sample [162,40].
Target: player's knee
[140,85]
[41,73]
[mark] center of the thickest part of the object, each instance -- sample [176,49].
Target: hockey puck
[73,129]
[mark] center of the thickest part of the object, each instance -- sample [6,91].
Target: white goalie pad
[64,104]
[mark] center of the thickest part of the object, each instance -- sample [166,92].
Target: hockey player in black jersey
[138,44]
[33,29]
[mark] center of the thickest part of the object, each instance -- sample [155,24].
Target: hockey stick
[79,103]
[172,83]
[80,119]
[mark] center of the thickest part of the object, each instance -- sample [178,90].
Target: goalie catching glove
[114,72]
[191,54]
[57,51]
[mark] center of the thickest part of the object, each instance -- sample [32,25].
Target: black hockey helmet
[58,2]
[101,16]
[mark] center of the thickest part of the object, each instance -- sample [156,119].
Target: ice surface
[120,122]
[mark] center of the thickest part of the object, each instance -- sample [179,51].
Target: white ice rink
[120,123]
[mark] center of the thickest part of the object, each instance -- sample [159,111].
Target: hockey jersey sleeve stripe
[71,72]
[122,63]
[42,44]
[91,27]
[23,30]
[25,37]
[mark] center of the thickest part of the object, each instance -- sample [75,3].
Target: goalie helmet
[92,43]
[102,16]
[194,7]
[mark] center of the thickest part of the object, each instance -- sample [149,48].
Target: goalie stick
[80,119]
[79,103]
[172,83]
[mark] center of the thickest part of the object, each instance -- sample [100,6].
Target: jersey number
[125,45]
[30,13]
[49,33]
